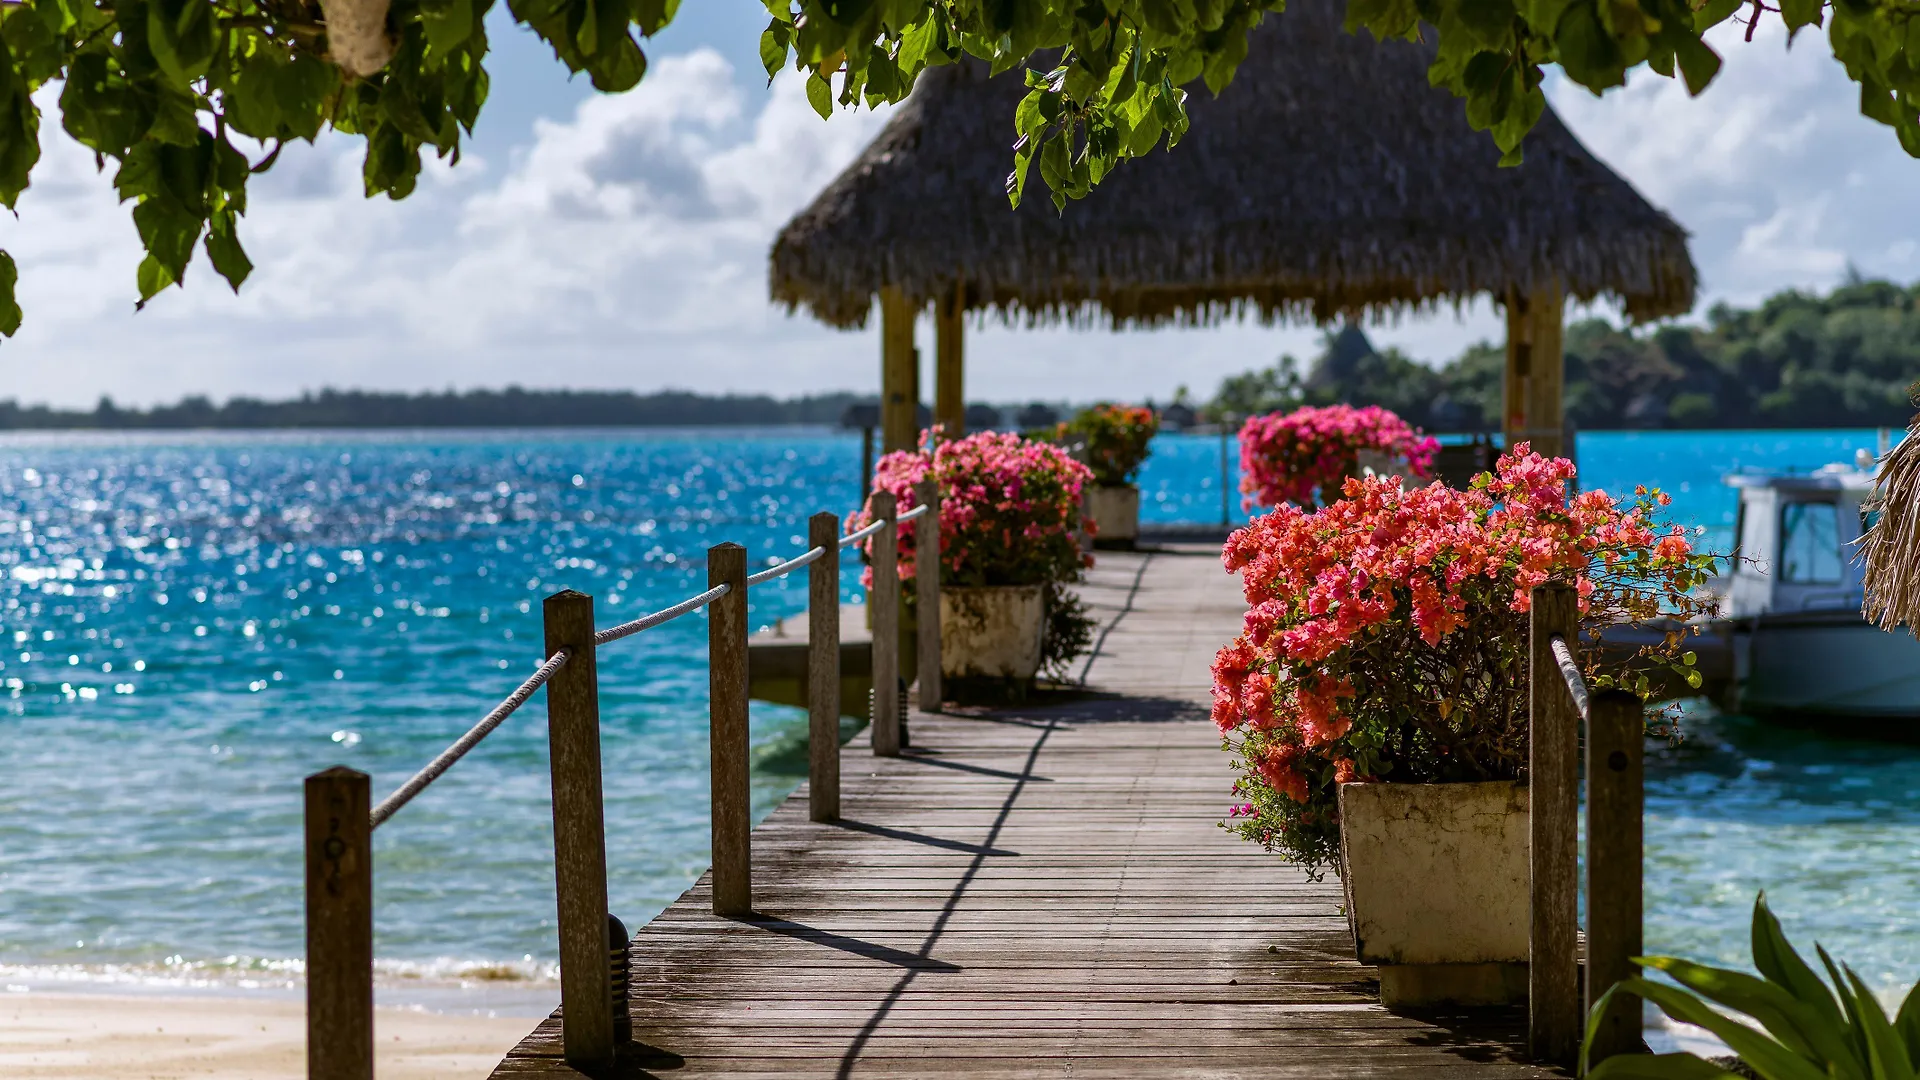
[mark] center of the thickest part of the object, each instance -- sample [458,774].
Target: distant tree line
[512,407]
[1845,359]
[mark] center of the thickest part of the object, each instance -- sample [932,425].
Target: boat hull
[1824,666]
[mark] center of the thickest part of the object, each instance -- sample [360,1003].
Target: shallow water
[190,623]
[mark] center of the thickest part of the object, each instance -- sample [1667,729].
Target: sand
[103,1037]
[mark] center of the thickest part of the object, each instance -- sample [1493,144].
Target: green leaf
[1797,1025]
[1887,1055]
[1799,13]
[1699,63]
[1906,1021]
[1774,957]
[773,48]
[152,277]
[1715,12]
[10,314]
[1658,1067]
[224,251]
[820,95]
[1768,1057]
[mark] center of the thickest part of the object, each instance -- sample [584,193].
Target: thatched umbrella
[1893,543]
[1330,180]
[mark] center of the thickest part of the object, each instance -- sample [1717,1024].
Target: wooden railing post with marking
[579,831]
[727,735]
[1615,799]
[885,612]
[926,592]
[339,926]
[1553,736]
[823,670]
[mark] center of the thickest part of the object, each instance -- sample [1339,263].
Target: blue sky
[620,242]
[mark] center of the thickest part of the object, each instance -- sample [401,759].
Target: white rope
[647,622]
[788,567]
[853,538]
[913,513]
[405,792]
[1570,671]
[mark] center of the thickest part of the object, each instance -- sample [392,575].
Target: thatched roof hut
[1329,180]
[1893,543]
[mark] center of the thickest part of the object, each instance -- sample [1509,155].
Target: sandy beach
[104,1037]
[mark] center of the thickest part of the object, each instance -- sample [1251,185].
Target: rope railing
[439,765]
[853,538]
[339,822]
[787,567]
[664,615]
[1570,671]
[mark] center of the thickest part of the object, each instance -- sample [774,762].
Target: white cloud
[625,245]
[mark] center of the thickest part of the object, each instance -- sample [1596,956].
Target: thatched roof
[1893,544]
[1329,180]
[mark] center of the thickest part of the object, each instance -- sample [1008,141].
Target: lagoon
[189,623]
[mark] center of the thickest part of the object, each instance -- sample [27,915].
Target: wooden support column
[926,589]
[1533,393]
[1553,823]
[899,374]
[950,378]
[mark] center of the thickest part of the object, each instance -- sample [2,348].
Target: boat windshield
[1810,543]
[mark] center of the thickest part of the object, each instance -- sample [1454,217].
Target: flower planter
[1436,879]
[1115,512]
[991,636]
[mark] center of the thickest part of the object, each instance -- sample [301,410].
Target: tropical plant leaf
[1658,1067]
[1769,1058]
[1887,1054]
[1798,1026]
[1776,959]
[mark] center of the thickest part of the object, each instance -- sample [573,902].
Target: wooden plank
[1041,892]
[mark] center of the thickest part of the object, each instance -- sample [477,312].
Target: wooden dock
[1032,892]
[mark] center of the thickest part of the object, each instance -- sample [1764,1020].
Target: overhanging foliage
[190,98]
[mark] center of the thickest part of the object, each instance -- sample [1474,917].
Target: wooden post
[1615,796]
[1514,420]
[885,616]
[1534,388]
[1553,736]
[727,739]
[339,926]
[866,463]
[899,374]
[926,578]
[579,831]
[1546,387]
[823,670]
[949,363]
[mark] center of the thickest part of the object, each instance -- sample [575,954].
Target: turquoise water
[191,623]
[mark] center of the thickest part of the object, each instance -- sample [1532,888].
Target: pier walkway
[1036,892]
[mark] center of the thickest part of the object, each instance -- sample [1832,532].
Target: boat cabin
[1795,541]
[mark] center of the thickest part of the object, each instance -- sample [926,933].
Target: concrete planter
[1436,878]
[992,633]
[1115,512]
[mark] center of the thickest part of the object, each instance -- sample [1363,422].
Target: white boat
[1801,649]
